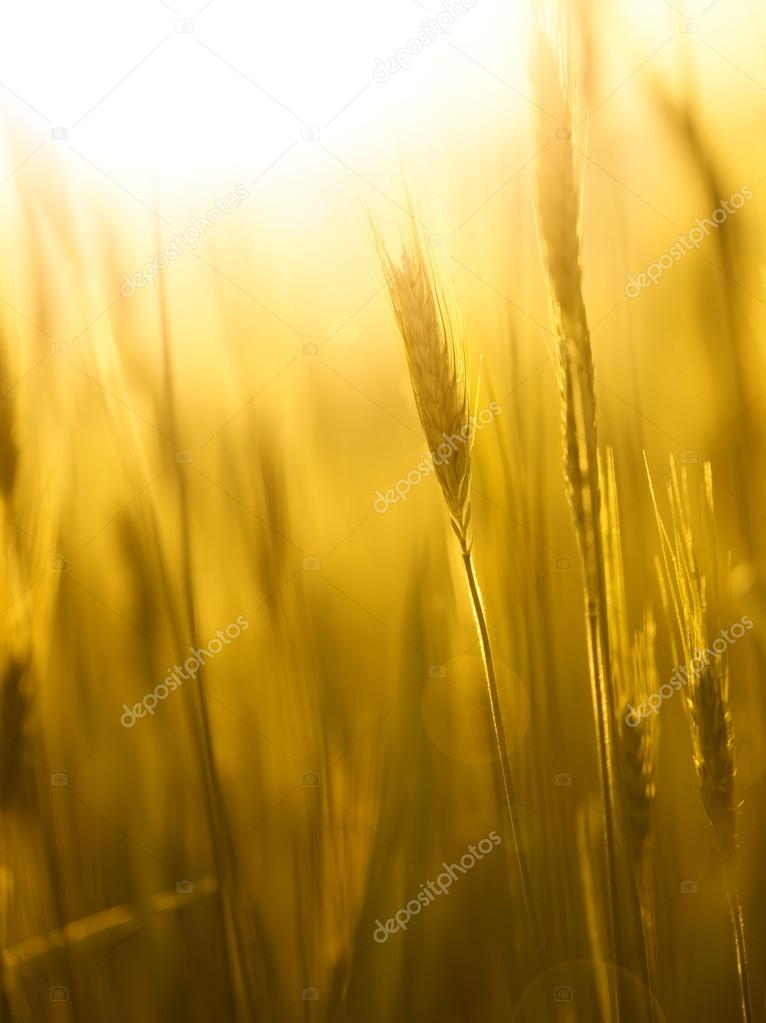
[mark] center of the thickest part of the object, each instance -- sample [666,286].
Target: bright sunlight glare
[174,91]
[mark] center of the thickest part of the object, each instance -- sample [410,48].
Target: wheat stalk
[439,375]
[638,752]
[692,589]
[558,200]
[100,929]
[16,774]
[221,836]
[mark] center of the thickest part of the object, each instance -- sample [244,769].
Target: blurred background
[208,440]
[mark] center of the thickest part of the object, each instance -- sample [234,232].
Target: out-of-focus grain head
[558,185]
[638,743]
[693,586]
[713,743]
[634,679]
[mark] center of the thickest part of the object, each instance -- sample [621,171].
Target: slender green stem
[222,843]
[501,739]
[649,932]
[598,659]
[738,926]
[582,473]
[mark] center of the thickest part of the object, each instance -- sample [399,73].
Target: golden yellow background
[270,355]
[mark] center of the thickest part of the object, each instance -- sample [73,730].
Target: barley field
[382,461]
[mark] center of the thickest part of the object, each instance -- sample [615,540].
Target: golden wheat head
[436,359]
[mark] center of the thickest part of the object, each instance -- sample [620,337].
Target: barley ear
[438,369]
[691,582]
